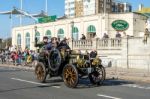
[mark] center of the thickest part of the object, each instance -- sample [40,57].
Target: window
[27,40]
[60,34]
[48,34]
[19,40]
[37,35]
[75,33]
[91,28]
[91,31]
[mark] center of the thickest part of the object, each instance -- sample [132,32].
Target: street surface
[21,84]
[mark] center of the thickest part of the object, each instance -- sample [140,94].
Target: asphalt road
[20,84]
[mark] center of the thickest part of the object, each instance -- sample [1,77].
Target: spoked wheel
[40,72]
[70,76]
[98,76]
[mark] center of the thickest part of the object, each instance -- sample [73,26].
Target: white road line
[136,86]
[21,80]
[106,96]
[56,86]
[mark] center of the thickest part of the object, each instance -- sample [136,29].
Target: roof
[145,11]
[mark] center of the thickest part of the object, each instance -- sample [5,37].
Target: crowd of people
[17,56]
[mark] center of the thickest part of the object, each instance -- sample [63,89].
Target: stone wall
[127,52]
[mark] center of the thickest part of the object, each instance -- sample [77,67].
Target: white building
[78,8]
[90,25]
[70,8]
[89,7]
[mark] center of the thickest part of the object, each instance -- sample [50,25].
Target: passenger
[93,54]
[43,43]
[63,44]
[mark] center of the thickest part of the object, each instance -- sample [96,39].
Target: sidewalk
[17,67]
[137,75]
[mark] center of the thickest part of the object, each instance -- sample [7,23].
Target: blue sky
[55,7]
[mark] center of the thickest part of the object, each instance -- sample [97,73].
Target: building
[121,7]
[73,28]
[78,8]
[70,8]
[146,12]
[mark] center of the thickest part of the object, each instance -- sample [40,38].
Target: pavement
[17,83]
[136,75]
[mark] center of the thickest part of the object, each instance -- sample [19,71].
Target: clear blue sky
[55,7]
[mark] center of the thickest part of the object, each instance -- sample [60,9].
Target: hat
[45,37]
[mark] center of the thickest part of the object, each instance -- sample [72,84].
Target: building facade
[70,8]
[78,8]
[121,7]
[90,26]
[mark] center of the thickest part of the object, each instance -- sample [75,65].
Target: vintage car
[70,65]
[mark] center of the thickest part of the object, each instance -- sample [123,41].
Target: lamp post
[72,26]
[46,6]
[35,39]
[35,29]
[21,7]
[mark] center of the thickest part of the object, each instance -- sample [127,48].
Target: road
[21,84]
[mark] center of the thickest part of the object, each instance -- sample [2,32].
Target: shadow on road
[85,83]
[24,88]
[116,82]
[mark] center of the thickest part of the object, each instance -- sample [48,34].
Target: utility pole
[21,7]
[46,6]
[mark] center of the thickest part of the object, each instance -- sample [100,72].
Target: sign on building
[120,25]
[47,19]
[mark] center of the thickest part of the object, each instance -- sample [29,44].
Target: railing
[97,44]
[109,43]
[83,44]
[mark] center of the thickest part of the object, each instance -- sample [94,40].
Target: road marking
[56,86]
[21,80]
[136,86]
[106,96]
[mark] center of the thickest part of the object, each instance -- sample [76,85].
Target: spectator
[93,54]
[3,56]
[146,35]
[105,36]
[83,37]
[118,35]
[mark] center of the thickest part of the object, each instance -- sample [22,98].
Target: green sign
[47,19]
[120,25]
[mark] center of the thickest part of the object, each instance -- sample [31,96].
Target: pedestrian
[146,35]
[83,37]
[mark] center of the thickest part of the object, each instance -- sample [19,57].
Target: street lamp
[72,26]
[35,29]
